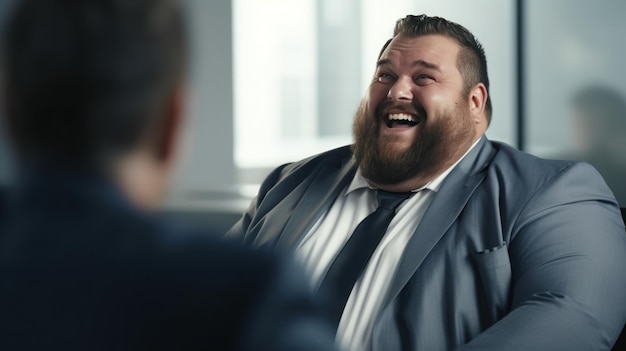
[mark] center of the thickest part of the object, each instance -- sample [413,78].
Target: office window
[576,90]
[302,66]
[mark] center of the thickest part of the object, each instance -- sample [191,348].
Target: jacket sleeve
[568,257]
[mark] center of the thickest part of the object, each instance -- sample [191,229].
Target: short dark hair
[85,80]
[471,61]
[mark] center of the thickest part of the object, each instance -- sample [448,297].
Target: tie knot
[389,200]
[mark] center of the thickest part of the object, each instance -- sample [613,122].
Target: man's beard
[433,147]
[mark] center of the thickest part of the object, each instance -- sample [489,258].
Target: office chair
[621,341]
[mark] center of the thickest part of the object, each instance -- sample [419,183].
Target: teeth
[401,117]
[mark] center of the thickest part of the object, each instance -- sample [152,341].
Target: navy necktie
[349,264]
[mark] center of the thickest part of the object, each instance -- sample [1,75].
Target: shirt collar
[359,182]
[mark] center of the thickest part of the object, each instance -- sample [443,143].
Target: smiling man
[428,236]
[419,117]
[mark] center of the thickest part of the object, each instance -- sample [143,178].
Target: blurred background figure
[93,97]
[599,130]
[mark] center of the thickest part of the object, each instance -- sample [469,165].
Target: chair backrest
[621,341]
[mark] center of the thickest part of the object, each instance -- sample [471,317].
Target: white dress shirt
[329,234]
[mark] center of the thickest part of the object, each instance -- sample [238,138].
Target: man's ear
[169,132]
[477,101]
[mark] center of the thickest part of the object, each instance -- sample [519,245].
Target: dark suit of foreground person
[93,92]
[505,252]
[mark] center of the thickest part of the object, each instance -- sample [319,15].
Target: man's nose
[401,90]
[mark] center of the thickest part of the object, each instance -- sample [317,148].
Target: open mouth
[401,120]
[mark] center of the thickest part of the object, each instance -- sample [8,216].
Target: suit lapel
[322,191]
[442,212]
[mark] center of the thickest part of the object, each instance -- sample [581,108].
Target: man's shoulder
[513,161]
[334,158]
[521,172]
[338,155]
[205,287]
[96,226]
[206,249]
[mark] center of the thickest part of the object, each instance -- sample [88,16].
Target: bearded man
[489,248]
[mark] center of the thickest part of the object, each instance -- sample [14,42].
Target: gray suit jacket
[514,252]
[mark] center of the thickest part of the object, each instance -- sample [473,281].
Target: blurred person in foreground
[94,92]
[490,249]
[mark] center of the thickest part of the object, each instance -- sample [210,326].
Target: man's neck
[142,179]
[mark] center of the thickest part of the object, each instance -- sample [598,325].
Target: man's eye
[423,78]
[385,78]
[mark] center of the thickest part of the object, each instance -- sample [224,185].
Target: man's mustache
[387,106]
